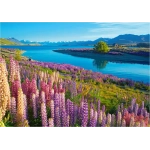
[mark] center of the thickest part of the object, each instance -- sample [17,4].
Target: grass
[6,42]
[6,53]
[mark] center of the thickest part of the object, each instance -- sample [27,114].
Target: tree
[101,47]
[18,54]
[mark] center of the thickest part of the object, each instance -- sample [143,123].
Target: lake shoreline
[120,57]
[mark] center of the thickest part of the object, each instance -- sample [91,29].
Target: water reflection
[100,64]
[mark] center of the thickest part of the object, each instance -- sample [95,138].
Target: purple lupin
[64,119]
[75,113]
[52,109]
[67,107]
[104,122]
[103,108]
[57,117]
[68,120]
[98,108]
[136,109]
[91,115]
[34,103]
[71,113]
[84,114]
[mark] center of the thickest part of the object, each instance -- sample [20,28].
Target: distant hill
[121,39]
[6,42]
[15,41]
[130,39]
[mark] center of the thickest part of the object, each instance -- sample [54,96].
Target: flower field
[38,94]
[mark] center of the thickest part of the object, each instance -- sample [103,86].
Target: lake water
[135,72]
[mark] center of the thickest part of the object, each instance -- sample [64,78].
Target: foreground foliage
[47,94]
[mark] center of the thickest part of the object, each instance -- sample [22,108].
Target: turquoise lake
[136,72]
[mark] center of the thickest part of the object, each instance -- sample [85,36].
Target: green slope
[6,42]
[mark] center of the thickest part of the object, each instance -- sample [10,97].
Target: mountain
[129,39]
[15,41]
[102,39]
[27,42]
[6,42]
[121,39]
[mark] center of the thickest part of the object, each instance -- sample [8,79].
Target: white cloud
[110,29]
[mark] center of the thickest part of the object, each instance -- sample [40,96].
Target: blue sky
[70,31]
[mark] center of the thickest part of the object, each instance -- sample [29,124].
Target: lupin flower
[52,93]
[37,99]
[67,106]
[118,110]
[142,104]
[43,97]
[122,108]
[71,113]
[95,118]
[81,109]
[64,119]
[132,122]
[98,108]
[103,122]
[13,109]
[136,109]
[119,117]
[113,120]
[91,116]
[57,117]
[5,102]
[109,120]
[34,103]
[43,114]
[25,107]
[75,113]
[51,122]
[56,100]
[33,86]
[85,114]
[68,120]
[142,123]
[103,108]
[20,107]
[123,124]
[100,117]
[137,124]
[14,88]
[52,109]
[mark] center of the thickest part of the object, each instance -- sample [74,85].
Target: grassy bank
[6,53]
